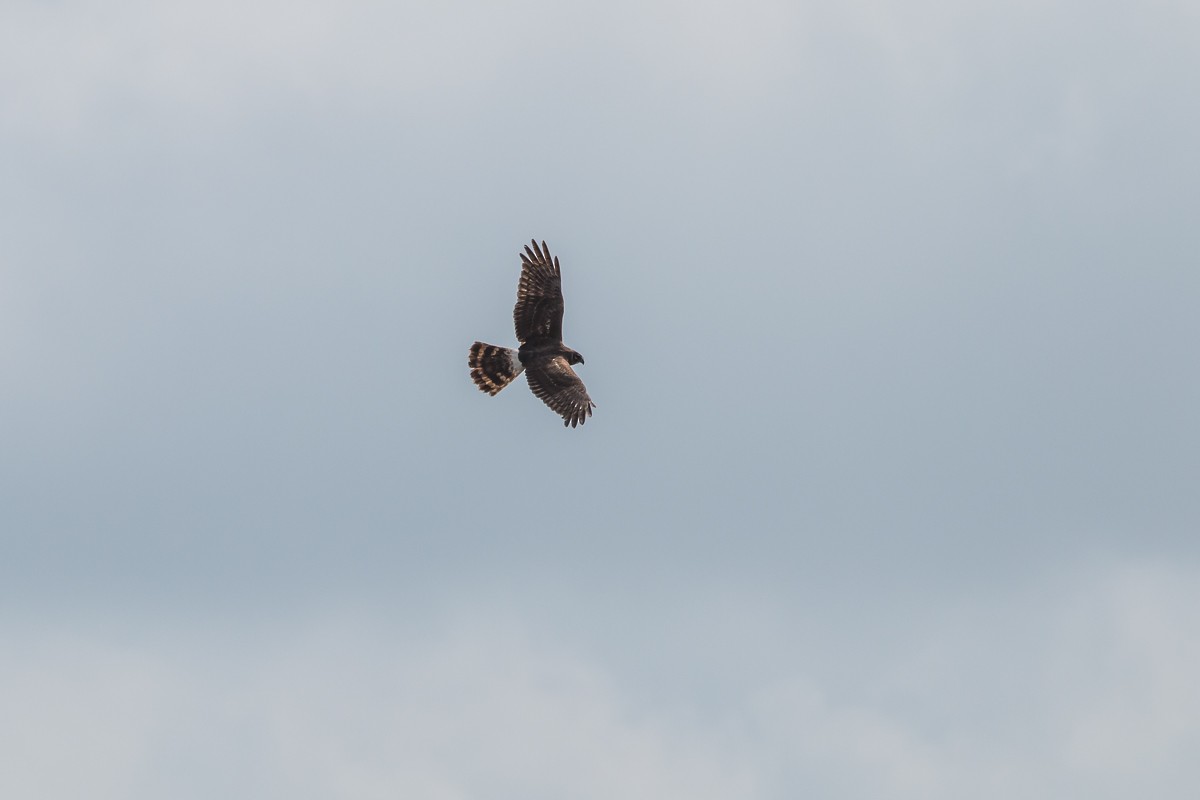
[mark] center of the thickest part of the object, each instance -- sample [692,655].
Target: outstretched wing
[539,310]
[553,380]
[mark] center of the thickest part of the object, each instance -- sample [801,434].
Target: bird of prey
[543,357]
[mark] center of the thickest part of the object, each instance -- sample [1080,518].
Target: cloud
[1084,689]
[80,715]
[1136,711]
[71,69]
[342,709]
[74,68]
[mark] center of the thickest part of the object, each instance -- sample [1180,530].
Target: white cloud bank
[1087,691]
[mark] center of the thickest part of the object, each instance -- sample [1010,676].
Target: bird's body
[543,357]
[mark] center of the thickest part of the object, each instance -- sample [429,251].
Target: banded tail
[492,367]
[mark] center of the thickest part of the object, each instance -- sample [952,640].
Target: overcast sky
[890,310]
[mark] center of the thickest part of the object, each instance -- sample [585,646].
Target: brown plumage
[544,358]
[492,367]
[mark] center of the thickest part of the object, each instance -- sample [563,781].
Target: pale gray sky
[890,313]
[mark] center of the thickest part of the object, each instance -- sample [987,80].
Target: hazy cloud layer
[1078,690]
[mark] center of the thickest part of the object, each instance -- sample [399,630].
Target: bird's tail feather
[492,367]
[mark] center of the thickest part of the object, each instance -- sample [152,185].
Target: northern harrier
[543,357]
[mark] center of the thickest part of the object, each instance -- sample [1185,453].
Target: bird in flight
[543,357]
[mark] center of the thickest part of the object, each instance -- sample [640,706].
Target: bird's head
[573,357]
